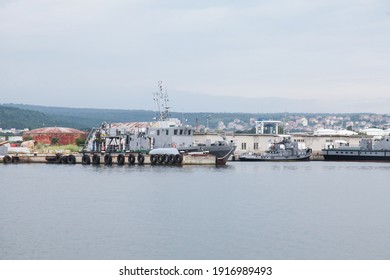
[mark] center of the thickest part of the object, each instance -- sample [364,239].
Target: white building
[267,127]
[341,132]
[374,132]
[303,122]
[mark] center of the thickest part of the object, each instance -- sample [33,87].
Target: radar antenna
[161,99]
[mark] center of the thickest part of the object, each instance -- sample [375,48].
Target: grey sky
[279,55]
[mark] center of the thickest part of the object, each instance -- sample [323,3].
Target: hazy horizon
[220,56]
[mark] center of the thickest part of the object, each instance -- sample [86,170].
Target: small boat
[280,150]
[221,149]
[369,149]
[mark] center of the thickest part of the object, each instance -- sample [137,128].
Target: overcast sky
[214,55]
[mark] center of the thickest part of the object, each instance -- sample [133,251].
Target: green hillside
[20,118]
[84,118]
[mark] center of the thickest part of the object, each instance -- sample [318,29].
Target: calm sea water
[307,210]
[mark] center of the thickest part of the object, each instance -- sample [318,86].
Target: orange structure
[61,135]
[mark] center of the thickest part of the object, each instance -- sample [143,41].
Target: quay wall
[244,143]
[203,159]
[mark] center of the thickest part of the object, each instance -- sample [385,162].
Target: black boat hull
[356,158]
[356,155]
[306,158]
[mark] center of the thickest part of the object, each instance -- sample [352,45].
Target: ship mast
[161,99]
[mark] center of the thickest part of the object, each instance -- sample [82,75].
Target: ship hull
[369,149]
[221,153]
[333,157]
[261,158]
[356,158]
[356,155]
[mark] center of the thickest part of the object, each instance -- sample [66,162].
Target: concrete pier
[190,159]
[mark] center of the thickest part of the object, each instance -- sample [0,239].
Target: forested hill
[21,116]
[11,117]
[76,117]
[84,118]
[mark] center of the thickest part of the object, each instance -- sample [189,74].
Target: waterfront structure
[342,132]
[55,135]
[268,127]
[374,132]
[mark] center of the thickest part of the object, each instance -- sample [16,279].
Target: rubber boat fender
[131,159]
[58,158]
[96,159]
[65,159]
[166,159]
[86,159]
[141,159]
[15,159]
[160,159]
[107,159]
[72,159]
[120,159]
[172,159]
[179,158]
[153,159]
[6,159]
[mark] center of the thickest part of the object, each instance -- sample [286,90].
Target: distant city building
[15,138]
[221,125]
[13,130]
[330,132]
[374,132]
[268,127]
[303,122]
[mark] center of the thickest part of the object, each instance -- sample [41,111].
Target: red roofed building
[62,135]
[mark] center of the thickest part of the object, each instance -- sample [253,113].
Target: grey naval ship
[369,149]
[165,139]
[280,150]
